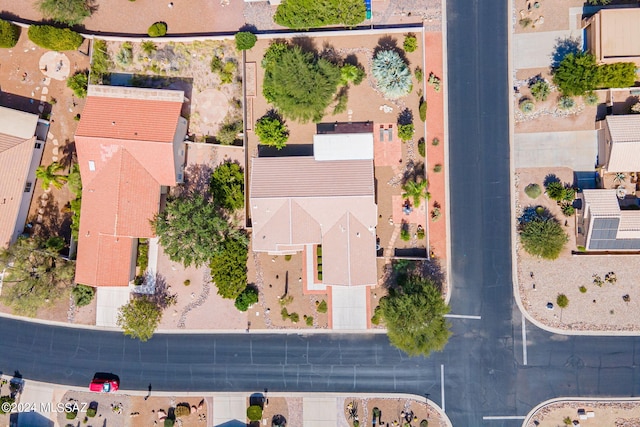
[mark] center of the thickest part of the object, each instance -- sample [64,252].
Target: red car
[104,383]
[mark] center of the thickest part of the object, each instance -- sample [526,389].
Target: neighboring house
[619,143]
[20,155]
[612,35]
[603,226]
[130,145]
[326,200]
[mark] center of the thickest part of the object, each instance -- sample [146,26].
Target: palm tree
[416,191]
[619,177]
[49,176]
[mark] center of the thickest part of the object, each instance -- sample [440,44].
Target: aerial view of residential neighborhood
[319,213]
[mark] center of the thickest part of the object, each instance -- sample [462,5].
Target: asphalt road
[483,364]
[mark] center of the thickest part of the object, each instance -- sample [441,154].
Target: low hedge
[53,38]
[158,29]
[9,34]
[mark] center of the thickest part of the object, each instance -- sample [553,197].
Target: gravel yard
[605,413]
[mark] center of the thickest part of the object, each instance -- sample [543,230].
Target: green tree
[78,83]
[619,74]
[74,181]
[191,229]
[49,176]
[392,74]
[350,73]
[556,190]
[9,34]
[69,12]
[410,43]
[576,74]
[416,191]
[246,299]
[36,275]
[299,84]
[157,29]
[254,413]
[100,62]
[272,131]
[229,267]
[227,186]
[305,14]
[53,38]
[140,317]
[413,313]
[228,133]
[543,237]
[540,90]
[82,294]
[245,40]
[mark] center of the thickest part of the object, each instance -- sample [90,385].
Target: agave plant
[392,74]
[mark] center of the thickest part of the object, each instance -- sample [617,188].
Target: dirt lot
[600,307]
[606,413]
[402,411]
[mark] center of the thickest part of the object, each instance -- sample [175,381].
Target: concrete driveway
[108,300]
[349,307]
[320,411]
[577,150]
[229,411]
[534,50]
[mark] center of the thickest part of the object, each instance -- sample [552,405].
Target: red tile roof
[123,167]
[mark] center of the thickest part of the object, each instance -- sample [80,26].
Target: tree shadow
[196,180]
[562,48]
[306,44]
[68,155]
[249,28]
[329,53]
[390,43]
[54,222]
[552,177]
[405,117]
[400,269]
[162,297]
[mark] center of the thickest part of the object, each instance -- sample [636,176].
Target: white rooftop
[343,146]
[17,123]
[601,203]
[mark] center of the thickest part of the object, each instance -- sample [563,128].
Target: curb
[415,397]
[445,144]
[575,399]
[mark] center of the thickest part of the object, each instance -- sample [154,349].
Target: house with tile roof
[604,226]
[20,155]
[130,144]
[612,35]
[327,199]
[619,143]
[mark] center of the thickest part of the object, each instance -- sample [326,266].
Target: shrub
[229,267]
[272,131]
[350,73]
[227,186]
[82,294]
[299,84]
[566,102]
[182,410]
[404,234]
[568,209]
[9,34]
[78,83]
[422,109]
[286,300]
[540,90]
[567,420]
[562,301]
[322,307]
[91,412]
[71,414]
[157,29]
[591,98]
[583,289]
[436,214]
[187,282]
[527,106]
[543,237]
[419,74]
[69,12]
[228,133]
[284,313]
[533,191]
[619,74]
[392,74]
[148,47]
[424,423]
[303,14]
[525,22]
[435,142]
[168,422]
[377,316]
[410,43]
[125,55]
[434,81]
[100,61]
[247,298]
[294,317]
[287,257]
[308,320]
[5,403]
[437,168]
[420,233]
[405,132]
[245,40]
[421,147]
[53,38]
[254,413]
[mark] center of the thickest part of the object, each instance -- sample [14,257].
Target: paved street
[485,371]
